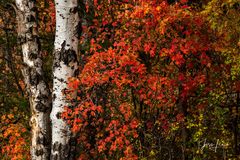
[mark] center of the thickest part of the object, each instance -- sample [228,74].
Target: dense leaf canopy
[157,79]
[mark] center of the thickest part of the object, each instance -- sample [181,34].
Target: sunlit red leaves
[73,83]
[178,59]
[155,55]
[119,132]
[13,138]
[78,118]
[126,110]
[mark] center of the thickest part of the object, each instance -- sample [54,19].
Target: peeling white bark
[38,91]
[64,67]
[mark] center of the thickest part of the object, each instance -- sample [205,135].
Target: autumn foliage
[150,70]
[158,78]
[14,137]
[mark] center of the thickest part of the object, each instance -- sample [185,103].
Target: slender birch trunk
[64,66]
[38,91]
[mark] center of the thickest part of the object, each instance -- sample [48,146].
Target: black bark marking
[34,77]
[30,18]
[66,56]
[21,39]
[46,140]
[56,146]
[78,30]
[56,63]
[63,151]
[63,45]
[73,10]
[59,147]
[37,40]
[33,56]
[39,152]
[58,115]
[55,157]
[41,107]
[54,96]
[41,140]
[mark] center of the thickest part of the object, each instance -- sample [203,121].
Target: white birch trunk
[38,91]
[64,66]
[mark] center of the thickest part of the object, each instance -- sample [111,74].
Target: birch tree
[38,91]
[64,66]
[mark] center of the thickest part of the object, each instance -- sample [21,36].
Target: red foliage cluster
[13,136]
[146,58]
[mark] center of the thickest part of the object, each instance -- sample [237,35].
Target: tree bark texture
[65,65]
[38,91]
